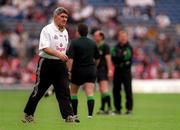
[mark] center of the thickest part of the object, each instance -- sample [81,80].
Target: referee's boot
[128,112]
[101,112]
[116,112]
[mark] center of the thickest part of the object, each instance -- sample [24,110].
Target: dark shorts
[102,74]
[83,75]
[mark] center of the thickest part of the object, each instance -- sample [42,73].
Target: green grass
[151,112]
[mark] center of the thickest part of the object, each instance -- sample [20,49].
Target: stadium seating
[170,7]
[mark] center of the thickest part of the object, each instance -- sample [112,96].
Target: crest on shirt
[100,52]
[55,37]
[60,44]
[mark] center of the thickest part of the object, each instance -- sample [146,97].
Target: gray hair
[60,10]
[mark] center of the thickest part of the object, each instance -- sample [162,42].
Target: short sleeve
[44,41]
[96,53]
[106,50]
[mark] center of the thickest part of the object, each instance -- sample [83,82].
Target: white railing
[139,86]
[156,86]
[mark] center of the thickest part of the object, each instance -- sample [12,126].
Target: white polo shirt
[53,38]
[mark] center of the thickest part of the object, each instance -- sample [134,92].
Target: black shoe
[116,112]
[28,119]
[76,119]
[128,112]
[101,112]
[109,112]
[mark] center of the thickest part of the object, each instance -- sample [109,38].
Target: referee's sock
[90,103]
[103,101]
[74,102]
[106,99]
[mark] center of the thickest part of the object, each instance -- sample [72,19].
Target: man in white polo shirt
[52,67]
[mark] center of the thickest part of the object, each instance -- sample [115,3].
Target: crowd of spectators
[156,54]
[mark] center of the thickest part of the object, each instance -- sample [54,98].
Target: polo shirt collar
[55,27]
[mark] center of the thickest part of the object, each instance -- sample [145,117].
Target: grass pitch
[151,112]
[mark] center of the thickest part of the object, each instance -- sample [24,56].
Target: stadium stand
[156,48]
[171,7]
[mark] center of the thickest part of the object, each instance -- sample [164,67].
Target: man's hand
[69,75]
[55,53]
[63,57]
[69,64]
[110,75]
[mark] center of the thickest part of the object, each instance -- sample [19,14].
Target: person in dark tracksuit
[122,60]
[83,59]
[52,67]
[104,72]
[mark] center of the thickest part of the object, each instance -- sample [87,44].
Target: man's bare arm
[55,53]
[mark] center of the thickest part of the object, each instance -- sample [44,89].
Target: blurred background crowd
[153,28]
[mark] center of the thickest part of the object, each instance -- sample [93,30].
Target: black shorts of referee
[102,74]
[81,75]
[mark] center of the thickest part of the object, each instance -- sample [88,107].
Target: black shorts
[83,75]
[102,74]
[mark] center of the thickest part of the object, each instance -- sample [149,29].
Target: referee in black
[83,59]
[52,67]
[104,72]
[122,59]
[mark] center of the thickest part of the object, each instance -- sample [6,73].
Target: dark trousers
[51,72]
[122,76]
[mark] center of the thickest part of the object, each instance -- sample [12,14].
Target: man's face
[122,37]
[61,19]
[97,37]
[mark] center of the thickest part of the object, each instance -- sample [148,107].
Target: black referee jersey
[102,67]
[83,51]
